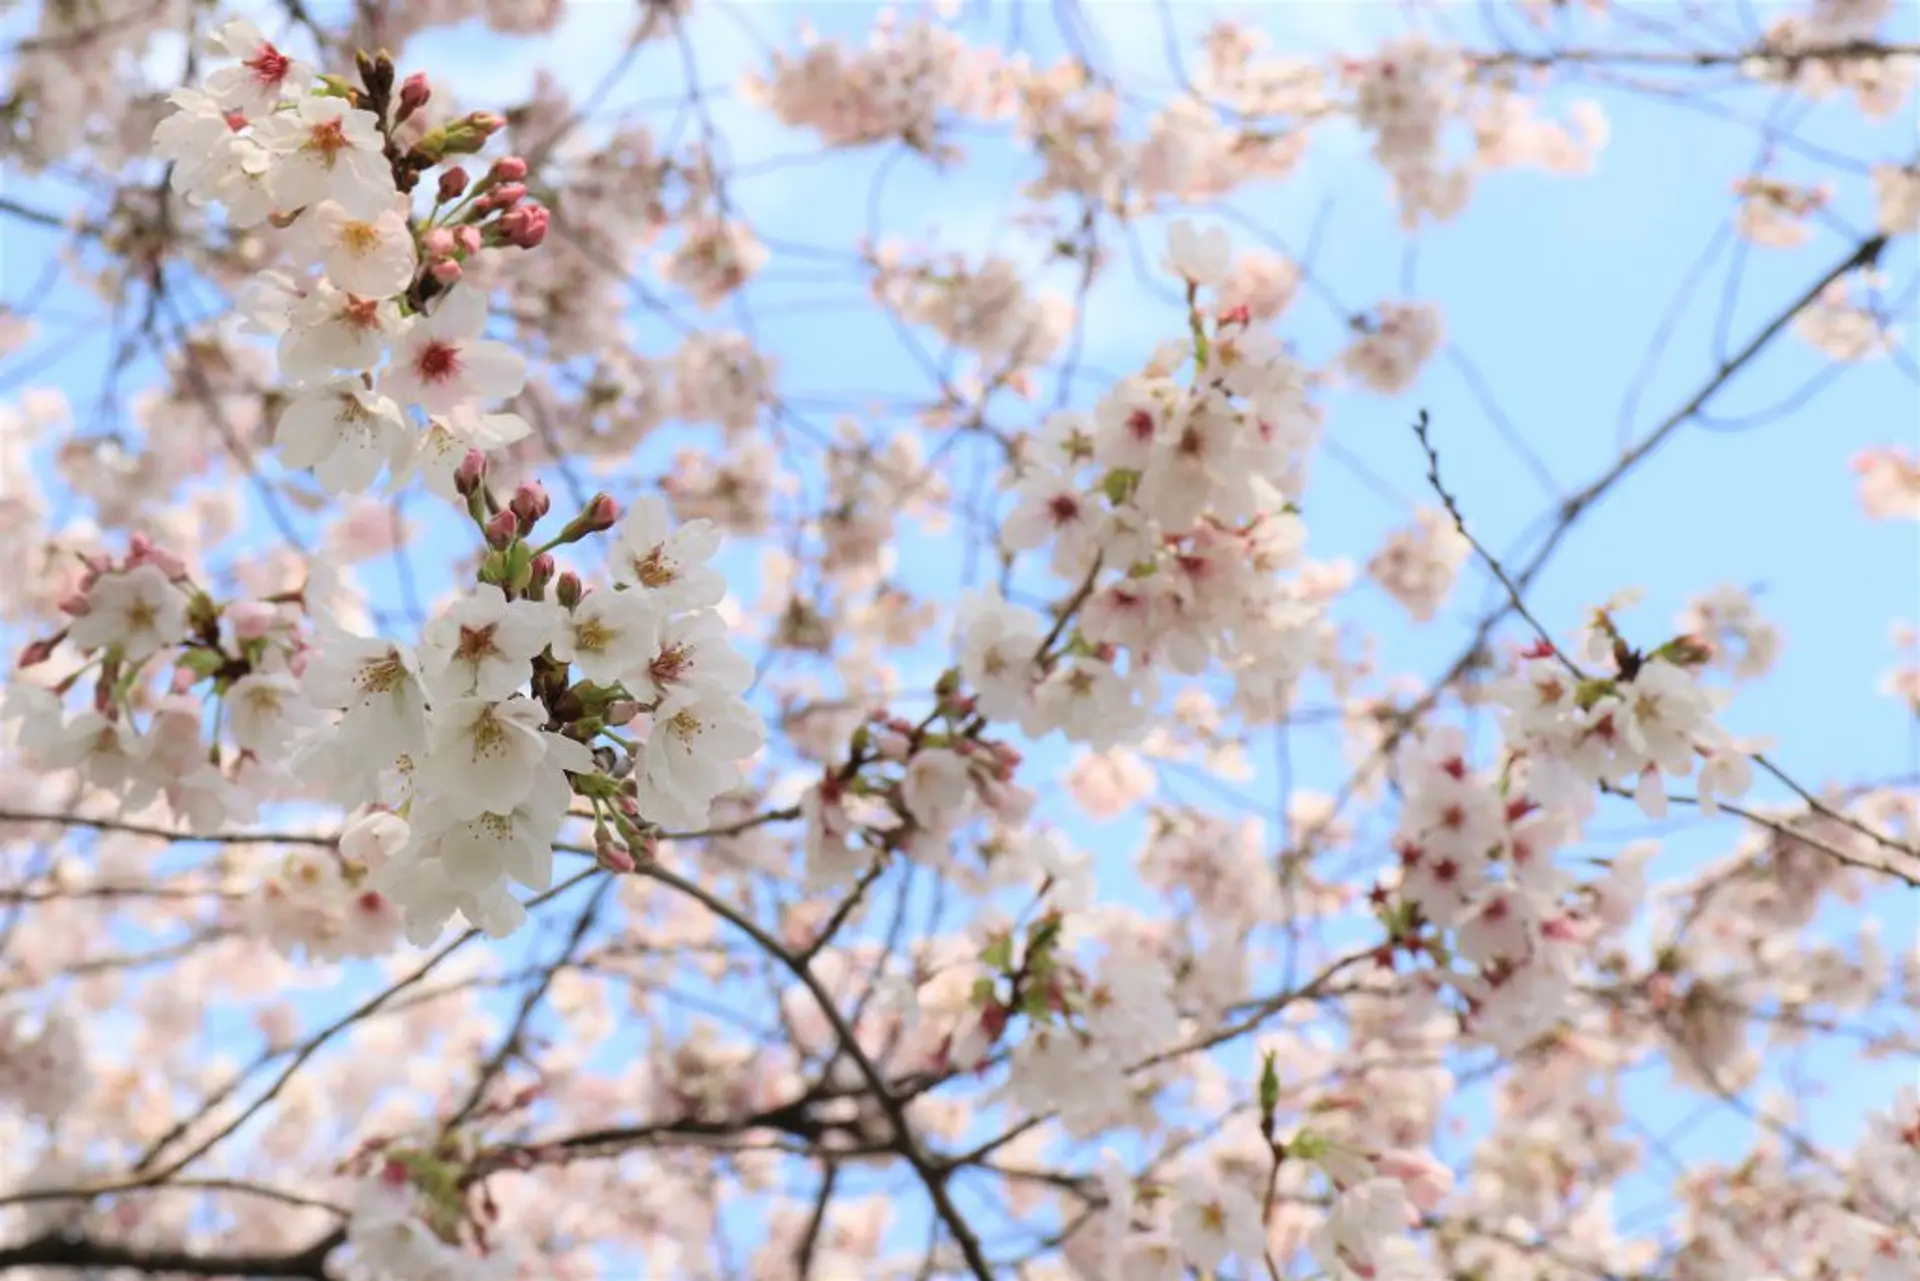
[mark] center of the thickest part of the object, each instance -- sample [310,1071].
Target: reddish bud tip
[502,528]
[508,194]
[530,503]
[39,651]
[601,513]
[452,183]
[446,271]
[414,93]
[472,470]
[508,169]
[534,226]
[614,857]
[568,590]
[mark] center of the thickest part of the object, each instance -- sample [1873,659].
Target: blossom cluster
[483,733]
[245,784]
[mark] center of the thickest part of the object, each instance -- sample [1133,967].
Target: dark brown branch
[56,1250]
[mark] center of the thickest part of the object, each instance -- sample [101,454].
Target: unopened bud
[438,243]
[470,473]
[508,169]
[530,503]
[459,137]
[567,589]
[414,93]
[620,711]
[543,569]
[501,529]
[469,239]
[41,650]
[601,512]
[75,606]
[142,551]
[613,856]
[525,226]
[452,184]
[446,271]
[508,194]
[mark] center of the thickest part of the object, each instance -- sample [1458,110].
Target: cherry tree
[506,777]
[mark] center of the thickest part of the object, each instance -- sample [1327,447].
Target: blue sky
[1552,289]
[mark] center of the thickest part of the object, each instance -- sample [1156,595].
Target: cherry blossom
[1131,736]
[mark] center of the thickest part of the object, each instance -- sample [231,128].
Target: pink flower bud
[502,528]
[467,476]
[438,243]
[184,679]
[469,238]
[508,169]
[485,123]
[530,503]
[613,856]
[165,561]
[483,205]
[531,226]
[601,513]
[620,711]
[40,651]
[508,194]
[543,568]
[567,589]
[414,93]
[75,606]
[445,270]
[452,183]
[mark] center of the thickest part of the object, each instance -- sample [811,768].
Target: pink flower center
[361,313]
[438,362]
[269,66]
[329,139]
